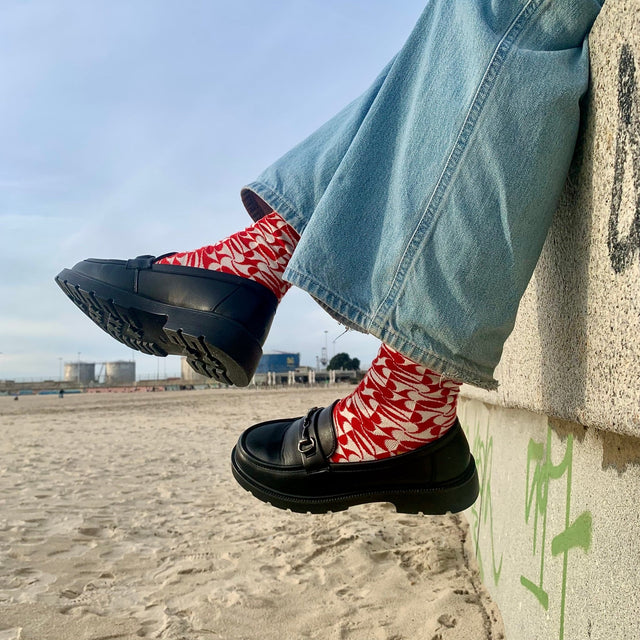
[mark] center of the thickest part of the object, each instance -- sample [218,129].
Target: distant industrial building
[270,362]
[80,372]
[278,362]
[120,372]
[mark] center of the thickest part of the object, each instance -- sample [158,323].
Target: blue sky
[129,127]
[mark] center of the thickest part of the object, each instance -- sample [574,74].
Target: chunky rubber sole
[214,346]
[454,496]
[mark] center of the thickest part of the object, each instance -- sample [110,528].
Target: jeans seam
[433,202]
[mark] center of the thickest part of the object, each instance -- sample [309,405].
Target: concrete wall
[556,529]
[557,525]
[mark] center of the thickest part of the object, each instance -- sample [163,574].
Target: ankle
[399,406]
[261,252]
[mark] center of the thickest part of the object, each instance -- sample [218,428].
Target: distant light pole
[60,368]
[323,353]
[78,367]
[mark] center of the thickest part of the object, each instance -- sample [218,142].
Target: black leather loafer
[219,321]
[286,463]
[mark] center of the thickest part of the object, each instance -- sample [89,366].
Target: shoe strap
[317,439]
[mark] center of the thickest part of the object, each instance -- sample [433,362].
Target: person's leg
[445,176]
[423,206]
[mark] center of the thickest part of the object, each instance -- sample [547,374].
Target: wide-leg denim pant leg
[424,204]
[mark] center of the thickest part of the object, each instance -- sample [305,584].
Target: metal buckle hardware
[307,444]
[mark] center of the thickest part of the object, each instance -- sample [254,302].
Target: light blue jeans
[424,204]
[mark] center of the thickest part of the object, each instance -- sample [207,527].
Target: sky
[129,127]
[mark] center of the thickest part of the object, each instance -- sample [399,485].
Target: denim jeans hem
[275,200]
[352,316]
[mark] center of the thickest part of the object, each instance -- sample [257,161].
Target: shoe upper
[295,453]
[234,297]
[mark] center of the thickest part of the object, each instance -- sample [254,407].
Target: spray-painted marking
[482,511]
[622,250]
[540,473]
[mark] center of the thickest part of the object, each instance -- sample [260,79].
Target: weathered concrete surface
[557,526]
[556,529]
[575,351]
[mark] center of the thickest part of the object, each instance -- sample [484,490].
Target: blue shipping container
[278,362]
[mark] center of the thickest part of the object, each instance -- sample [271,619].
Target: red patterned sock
[260,252]
[399,406]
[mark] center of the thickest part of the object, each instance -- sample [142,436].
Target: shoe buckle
[141,262]
[307,443]
[307,446]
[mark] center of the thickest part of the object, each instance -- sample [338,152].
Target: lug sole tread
[146,332]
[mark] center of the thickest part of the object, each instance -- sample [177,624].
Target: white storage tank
[80,372]
[120,372]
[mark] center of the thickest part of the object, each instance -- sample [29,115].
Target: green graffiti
[577,535]
[540,473]
[482,511]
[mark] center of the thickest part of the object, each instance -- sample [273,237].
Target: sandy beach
[119,518]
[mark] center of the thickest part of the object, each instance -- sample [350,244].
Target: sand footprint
[26,583]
